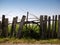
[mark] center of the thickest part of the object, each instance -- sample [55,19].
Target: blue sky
[12,8]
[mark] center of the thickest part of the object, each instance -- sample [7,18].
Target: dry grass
[29,41]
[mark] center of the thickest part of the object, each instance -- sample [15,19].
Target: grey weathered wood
[49,28]
[0,28]
[19,33]
[3,25]
[27,20]
[58,34]
[6,27]
[45,26]
[41,27]
[27,16]
[16,18]
[53,27]
[55,33]
[13,28]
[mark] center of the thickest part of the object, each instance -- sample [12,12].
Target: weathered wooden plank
[45,26]
[41,27]
[58,34]
[55,33]
[3,25]
[6,27]
[19,33]
[53,27]
[27,20]
[0,28]
[13,28]
[49,28]
[27,16]
[16,18]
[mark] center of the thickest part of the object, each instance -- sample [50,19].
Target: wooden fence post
[6,27]
[49,19]
[13,28]
[58,34]
[53,27]
[3,25]
[45,26]
[55,33]
[16,25]
[41,27]
[16,18]
[0,28]
[19,33]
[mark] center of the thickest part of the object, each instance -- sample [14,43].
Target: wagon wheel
[32,29]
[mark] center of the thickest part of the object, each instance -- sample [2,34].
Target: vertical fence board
[41,27]
[15,24]
[6,27]
[0,28]
[45,26]
[13,29]
[53,27]
[3,25]
[19,33]
[58,34]
[49,18]
[55,33]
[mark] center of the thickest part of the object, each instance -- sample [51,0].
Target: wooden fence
[49,28]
